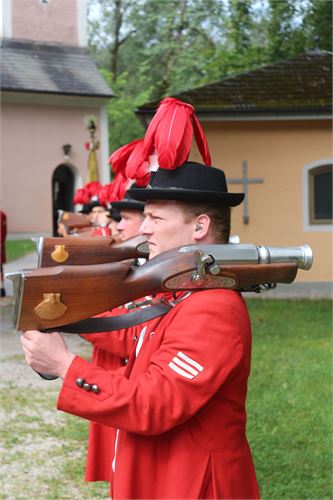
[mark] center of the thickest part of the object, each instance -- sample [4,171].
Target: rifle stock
[72,220]
[48,298]
[85,251]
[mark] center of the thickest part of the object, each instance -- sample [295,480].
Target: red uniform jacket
[179,406]
[101,231]
[111,351]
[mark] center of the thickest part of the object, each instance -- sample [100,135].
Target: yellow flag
[92,163]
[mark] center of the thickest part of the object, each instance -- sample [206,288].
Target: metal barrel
[242,254]
[302,255]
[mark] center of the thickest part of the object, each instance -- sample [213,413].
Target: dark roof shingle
[45,68]
[303,83]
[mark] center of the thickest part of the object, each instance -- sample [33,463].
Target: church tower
[50,89]
[45,21]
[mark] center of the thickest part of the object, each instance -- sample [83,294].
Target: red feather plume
[81,197]
[170,134]
[137,167]
[93,188]
[105,194]
[119,187]
[119,158]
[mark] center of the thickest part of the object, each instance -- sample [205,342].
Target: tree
[152,48]
[318,24]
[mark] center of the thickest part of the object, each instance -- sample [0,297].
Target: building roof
[48,68]
[299,85]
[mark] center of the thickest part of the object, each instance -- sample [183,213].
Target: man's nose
[145,227]
[120,225]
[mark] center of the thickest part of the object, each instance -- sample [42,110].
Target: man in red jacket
[179,405]
[111,351]
[131,212]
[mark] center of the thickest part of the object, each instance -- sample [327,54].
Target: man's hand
[46,352]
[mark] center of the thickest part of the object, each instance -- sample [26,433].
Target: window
[317,196]
[320,195]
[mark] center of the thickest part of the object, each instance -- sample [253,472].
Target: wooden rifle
[47,298]
[73,220]
[85,251]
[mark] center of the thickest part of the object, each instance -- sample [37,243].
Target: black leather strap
[111,323]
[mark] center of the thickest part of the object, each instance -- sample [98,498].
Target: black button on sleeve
[80,382]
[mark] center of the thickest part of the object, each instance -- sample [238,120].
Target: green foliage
[152,48]
[318,24]
[122,119]
[19,248]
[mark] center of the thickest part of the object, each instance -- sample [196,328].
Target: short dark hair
[220,216]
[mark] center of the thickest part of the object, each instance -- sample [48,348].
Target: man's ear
[201,227]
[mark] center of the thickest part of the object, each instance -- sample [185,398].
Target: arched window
[318,195]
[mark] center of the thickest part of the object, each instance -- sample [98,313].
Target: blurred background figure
[114,219]
[3,249]
[131,212]
[101,224]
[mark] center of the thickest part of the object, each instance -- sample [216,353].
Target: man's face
[113,225]
[94,214]
[165,227]
[130,223]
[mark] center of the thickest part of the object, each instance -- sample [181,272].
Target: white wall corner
[82,34]
[104,168]
[6,18]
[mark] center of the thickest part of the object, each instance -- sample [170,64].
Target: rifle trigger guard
[204,263]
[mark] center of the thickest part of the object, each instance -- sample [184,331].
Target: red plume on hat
[105,194]
[81,197]
[137,166]
[93,188]
[128,163]
[118,161]
[90,192]
[119,158]
[170,132]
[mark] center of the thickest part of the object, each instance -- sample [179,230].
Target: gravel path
[42,451]
[10,349]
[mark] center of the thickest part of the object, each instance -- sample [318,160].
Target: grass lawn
[290,399]
[289,415]
[18,248]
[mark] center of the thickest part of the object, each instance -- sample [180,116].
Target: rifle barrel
[244,254]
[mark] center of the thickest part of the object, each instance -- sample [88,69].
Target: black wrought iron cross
[245,181]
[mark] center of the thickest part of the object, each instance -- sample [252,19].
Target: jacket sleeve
[206,345]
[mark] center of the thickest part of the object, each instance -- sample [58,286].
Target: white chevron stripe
[185,366]
[190,361]
[180,371]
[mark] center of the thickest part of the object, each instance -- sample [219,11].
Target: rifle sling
[109,324]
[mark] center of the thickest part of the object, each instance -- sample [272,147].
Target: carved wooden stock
[85,251]
[73,220]
[52,297]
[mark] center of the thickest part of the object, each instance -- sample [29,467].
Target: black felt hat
[87,208]
[114,214]
[190,182]
[128,203]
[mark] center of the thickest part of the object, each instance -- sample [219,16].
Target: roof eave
[217,114]
[49,92]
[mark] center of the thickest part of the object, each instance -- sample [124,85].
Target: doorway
[63,180]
